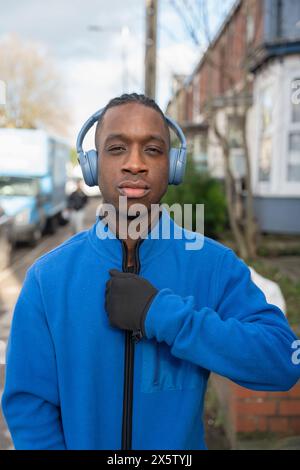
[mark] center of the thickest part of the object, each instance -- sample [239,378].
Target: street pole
[150,52]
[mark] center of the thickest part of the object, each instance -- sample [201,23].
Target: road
[11,280]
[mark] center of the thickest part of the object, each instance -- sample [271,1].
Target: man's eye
[153,150]
[116,149]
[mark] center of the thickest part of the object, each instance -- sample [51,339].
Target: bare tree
[235,103]
[34,89]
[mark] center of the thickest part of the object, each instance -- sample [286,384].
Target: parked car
[5,245]
[32,181]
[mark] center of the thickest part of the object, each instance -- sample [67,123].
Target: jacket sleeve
[30,401]
[243,338]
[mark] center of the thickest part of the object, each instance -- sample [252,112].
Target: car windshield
[11,186]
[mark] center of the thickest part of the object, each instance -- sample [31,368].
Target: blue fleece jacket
[65,363]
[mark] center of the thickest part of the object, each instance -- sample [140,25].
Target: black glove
[127,301]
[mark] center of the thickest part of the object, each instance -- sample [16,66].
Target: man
[76,204]
[76,377]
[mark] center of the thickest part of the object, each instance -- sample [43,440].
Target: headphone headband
[95,117]
[89,160]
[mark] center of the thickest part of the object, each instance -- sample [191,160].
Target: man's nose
[135,162]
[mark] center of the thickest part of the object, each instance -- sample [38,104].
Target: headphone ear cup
[89,167]
[172,164]
[177,161]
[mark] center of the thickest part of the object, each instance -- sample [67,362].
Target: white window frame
[265,186]
[294,128]
[290,188]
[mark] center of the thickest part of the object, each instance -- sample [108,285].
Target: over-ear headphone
[89,160]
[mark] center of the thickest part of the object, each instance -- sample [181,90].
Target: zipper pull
[137,336]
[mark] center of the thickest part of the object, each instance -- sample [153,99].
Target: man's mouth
[133,189]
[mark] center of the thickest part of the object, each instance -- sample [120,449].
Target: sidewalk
[287,443]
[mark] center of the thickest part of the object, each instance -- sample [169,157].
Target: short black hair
[132,98]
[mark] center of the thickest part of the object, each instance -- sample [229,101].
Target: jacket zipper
[129,362]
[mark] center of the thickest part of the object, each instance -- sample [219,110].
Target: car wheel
[35,237]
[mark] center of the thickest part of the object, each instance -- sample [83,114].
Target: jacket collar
[107,245]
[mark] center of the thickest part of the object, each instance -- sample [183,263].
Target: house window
[294,157]
[200,152]
[266,145]
[236,144]
[196,99]
[293,151]
[250,29]
[235,136]
[296,100]
[265,159]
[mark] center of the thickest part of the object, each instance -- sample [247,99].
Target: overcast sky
[91,62]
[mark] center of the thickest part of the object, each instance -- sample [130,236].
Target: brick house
[260,38]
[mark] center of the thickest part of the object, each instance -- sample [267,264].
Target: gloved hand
[127,301]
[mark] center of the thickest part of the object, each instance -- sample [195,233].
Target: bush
[200,188]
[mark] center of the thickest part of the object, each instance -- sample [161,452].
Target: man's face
[133,144]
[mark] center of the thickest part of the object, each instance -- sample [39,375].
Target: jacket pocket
[163,371]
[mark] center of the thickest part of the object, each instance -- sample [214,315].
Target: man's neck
[131,244]
[149,221]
